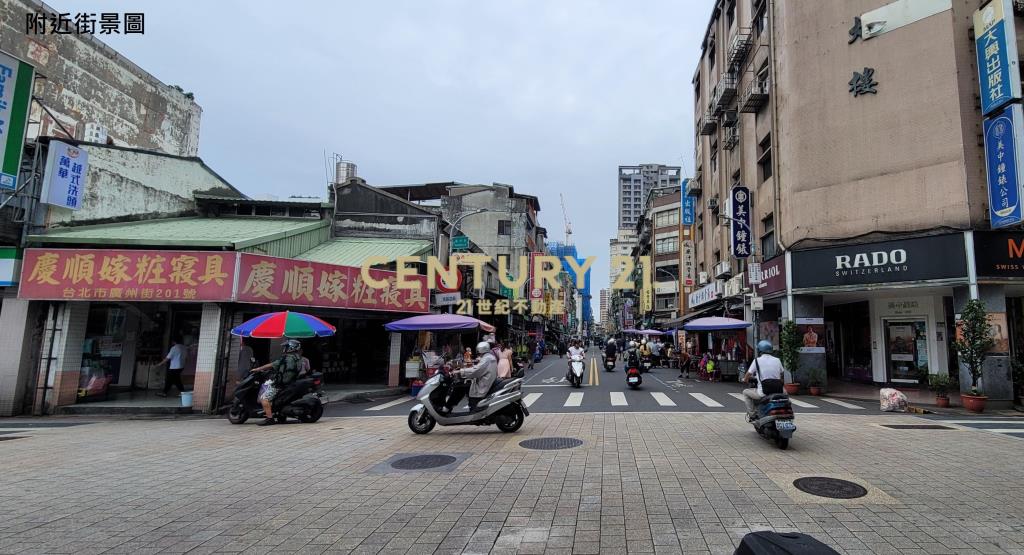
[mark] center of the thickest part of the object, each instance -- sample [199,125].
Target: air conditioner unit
[723,270]
[713,204]
[702,278]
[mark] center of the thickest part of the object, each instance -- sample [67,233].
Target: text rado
[878,262]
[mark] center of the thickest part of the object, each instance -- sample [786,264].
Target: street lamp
[676,278]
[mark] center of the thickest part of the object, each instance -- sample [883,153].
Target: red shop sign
[286,281]
[134,275]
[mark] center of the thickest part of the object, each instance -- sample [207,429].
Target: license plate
[784,425]
[634,380]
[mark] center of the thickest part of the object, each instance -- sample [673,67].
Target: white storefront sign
[706,294]
[447,299]
[64,184]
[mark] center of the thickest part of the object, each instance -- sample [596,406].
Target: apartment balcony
[693,186]
[708,123]
[755,95]
[725,91]
[732,138]
[729,118]
[739,47]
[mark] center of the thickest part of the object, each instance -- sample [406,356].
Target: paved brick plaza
[666,483]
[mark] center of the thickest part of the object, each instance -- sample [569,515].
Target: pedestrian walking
[504,362]
[531,348]
[175,361]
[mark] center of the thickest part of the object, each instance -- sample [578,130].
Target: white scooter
[502,407]
[576,369]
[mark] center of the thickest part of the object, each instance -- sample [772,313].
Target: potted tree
[815,377]
[972,345]
[789,351]
[939,383]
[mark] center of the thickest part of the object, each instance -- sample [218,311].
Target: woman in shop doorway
[175,361]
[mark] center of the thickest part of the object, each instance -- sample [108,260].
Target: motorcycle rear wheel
[421,428]
[511,421]
[237,414]
[782,442]
[313,415]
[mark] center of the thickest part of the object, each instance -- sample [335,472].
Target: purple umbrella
[438,322]
[713,323]
[649,332]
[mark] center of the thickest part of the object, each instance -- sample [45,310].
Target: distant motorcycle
[633,377]
[609,363]
[645,363]
[576,369]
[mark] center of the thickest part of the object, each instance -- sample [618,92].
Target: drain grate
[423,462]
[917,427]
[551,443]
[832,488]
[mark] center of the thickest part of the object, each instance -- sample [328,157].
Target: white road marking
[803,404]
[575,399]
[708,401]
[983,421]
[840,403]
[618,399]
[662,399]
[738,396]
[531,398]
[390,404]
[1001,430]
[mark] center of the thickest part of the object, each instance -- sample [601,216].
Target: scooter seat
[774,397]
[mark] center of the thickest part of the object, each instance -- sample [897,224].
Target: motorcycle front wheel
[510,421]
[782,442]
[421,426]
[237,414]
[313,415]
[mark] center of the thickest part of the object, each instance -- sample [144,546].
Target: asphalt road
[545,390]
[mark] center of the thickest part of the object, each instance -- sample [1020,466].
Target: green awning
[224,232]
[352,251]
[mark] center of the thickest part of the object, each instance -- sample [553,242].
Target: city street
[675,483]
[546,391]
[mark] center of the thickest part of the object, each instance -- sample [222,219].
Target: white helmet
[611,341]
[483,347]
[632,344]
[643,341]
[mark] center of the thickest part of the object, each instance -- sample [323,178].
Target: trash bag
[892,400]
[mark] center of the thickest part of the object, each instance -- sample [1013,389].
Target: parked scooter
[576,369]
[773,418]
[503,406]
[302,399]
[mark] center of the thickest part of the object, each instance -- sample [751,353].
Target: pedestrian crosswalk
[1010,427]
[640,400]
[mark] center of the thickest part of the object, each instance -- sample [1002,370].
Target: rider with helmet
[481,377]
[610,349]
[285,371]
[632,356]
[769,371]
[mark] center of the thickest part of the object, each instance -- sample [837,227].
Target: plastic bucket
[186,398]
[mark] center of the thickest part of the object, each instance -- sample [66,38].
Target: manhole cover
[423,462]
[917,427]
[549,443]
[832,488]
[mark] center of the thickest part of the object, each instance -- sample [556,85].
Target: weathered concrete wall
[88,82]
[123,184]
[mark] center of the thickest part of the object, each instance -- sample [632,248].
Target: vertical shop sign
[996,45]
[15,96]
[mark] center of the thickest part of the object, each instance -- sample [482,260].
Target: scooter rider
[286,370]
[632,356]
[769,371]
[610,349]
[481,376]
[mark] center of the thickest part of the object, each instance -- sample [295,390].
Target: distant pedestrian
[504,362]
[175,361]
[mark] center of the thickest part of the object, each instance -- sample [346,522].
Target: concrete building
[832,126]
[635,183]
[604,306]
[622,245]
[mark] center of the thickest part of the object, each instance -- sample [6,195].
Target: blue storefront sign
[1002,165]
[740,224]
[996,44]
[689,209]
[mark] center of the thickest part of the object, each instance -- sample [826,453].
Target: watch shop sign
[999,254]
[771,278]
[918,259]
[705,294]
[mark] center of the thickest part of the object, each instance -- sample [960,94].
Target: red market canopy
[438,322]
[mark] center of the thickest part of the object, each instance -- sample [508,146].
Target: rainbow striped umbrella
[284,324]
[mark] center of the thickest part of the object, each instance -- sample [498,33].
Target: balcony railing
[725,91]
[754,96]
[708,123]
[739,47]
[732,138]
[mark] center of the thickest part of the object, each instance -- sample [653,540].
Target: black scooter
[301,400]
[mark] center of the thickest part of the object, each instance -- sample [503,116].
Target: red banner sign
[286,281]
[130,275]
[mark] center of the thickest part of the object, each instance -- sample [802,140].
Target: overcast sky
[549,97]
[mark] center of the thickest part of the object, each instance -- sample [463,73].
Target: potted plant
[972,345]
[815,378]
[789,351]
[939,383]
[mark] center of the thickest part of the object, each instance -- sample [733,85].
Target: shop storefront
[879,312]
[765,306]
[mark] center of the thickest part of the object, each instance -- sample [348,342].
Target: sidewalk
[869,392]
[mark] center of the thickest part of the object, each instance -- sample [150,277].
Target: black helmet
[291,346]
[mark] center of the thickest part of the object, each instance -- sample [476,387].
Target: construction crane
[568,224]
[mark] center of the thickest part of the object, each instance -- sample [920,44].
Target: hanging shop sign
[1003,154]
[771,276]
[10,266]
[286,281]
[64,177]
[704,295]
[689,209]
[918,259]
[999,254]
[689,260]
[740,222]
[15,96]
[996,45]
[129,275]
[447,299]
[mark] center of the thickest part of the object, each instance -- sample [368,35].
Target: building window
[730,16]
[718,257]
[760,19]
[764,159]
[504,227]
[768,236]
[665,219]
[714,158]
[666,245]
[711,56]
